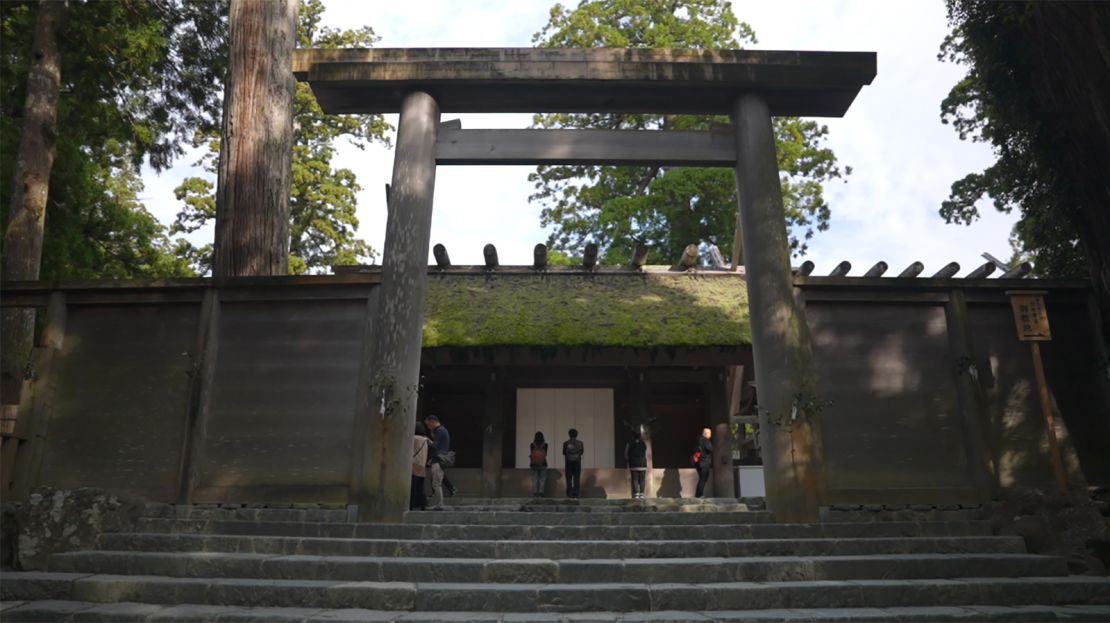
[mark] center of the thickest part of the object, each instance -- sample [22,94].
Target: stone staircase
[552,560]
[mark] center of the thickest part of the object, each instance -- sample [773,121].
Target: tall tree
[130,78]
[323,222]
[668,208]
[252,193]
[34,162]
[1038,90]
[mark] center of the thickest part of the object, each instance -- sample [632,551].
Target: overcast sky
[903,159]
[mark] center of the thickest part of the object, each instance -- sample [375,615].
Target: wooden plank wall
[245,392]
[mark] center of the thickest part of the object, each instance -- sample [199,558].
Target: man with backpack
[573,449]
[440,458]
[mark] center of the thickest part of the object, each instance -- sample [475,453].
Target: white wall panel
[554,412]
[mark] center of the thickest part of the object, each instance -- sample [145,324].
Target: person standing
[635,456]
[420,445]
[537,452]
[440,458]
[704,459]
[573,449]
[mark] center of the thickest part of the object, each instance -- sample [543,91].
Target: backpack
[539,455]
[573,450]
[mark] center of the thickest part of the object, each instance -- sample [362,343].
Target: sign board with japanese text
[1030,315]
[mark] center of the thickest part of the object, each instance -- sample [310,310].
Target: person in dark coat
[573,449]
[635,456]
[704,452]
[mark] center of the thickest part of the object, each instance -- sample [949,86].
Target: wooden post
[201,373]
[1031,319]
[972,406]
[493,433]
[34,162]
[28,465]
[256,147]
[1049,420]
[723,486]
[789,419]
[394,361]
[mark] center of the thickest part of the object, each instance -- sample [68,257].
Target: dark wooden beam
[442,259]
[877,270]
[589,258]
[806,269]
[1017,272]
[639,257]
[841,269]
[586,147]
[912,270]
[982,272]
[539,256]
[949,270]
[489,252]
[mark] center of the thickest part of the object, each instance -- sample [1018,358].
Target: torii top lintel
[810,84]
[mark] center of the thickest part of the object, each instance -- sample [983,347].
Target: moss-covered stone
[675,309]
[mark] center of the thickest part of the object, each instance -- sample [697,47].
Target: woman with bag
[538,455]
[703,459]
[420,443]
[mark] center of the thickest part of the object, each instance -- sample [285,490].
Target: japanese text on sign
[1030,316]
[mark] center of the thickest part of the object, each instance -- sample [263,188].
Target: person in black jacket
[704,453]
[635,456]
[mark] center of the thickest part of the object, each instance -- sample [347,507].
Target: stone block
[820,594]
[448,597]
[352,615]
[1089,590]
[293,567]
[590,597]
[447,617]
[192,612]
[742,596]
[371,595]
[117,613]
[929,614]
[37,585]
[267,615]
[45,610]
[147,589]
[267,593]
[896,593]
[666,616]
[677,596]
[520,571]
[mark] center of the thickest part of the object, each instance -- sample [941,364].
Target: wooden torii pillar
[752,86]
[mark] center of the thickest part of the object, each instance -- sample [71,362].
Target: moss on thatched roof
[631,309]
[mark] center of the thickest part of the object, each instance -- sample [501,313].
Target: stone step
[544,518]
[597,508]
[635,570]
[608,597]
[594,533]
[129,612]
[479,501]
[132,612]
[559,549]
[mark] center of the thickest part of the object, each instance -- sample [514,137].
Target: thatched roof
[602,309]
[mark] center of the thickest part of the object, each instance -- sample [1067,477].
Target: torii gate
[750,86]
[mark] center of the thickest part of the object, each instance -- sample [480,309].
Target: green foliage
[648,310]
[323,198]
[1035,111]
[667,208]
[137,77]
